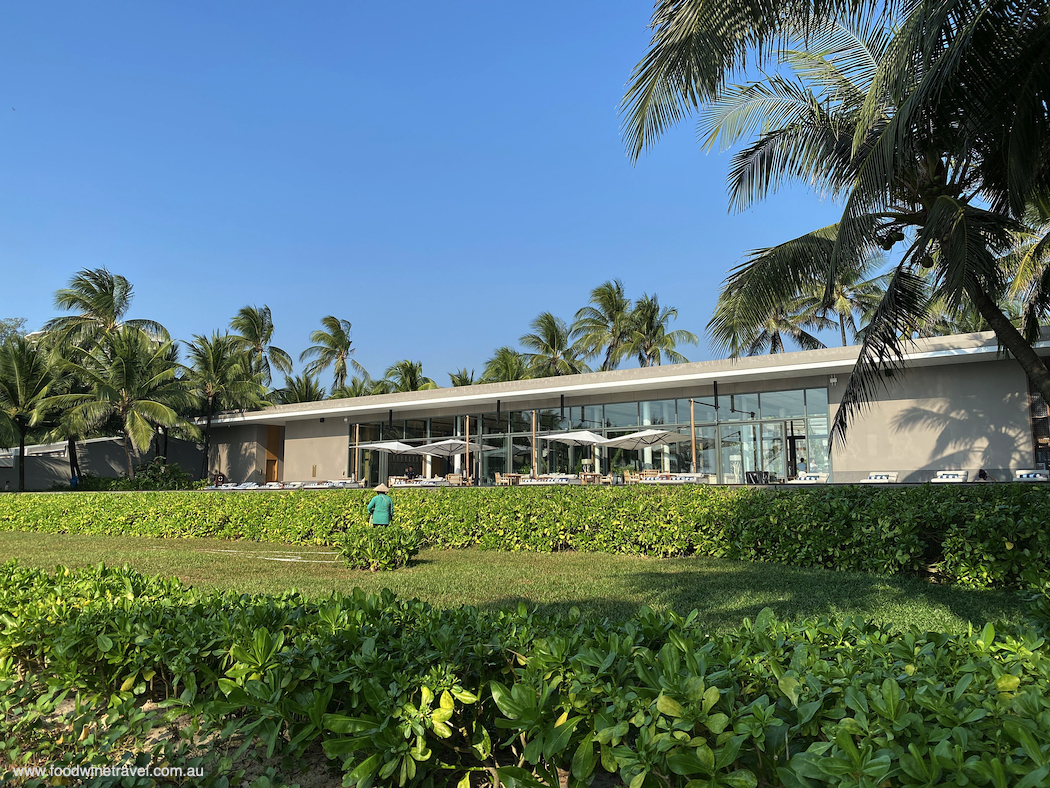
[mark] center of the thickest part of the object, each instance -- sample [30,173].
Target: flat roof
[956,349]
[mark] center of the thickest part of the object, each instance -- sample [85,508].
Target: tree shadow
[961,430]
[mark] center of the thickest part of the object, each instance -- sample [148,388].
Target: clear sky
[436,173]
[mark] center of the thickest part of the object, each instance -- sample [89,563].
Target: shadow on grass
[725,592]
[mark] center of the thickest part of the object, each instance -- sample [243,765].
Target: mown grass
[724,592]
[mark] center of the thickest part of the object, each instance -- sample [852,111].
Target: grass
[724,592]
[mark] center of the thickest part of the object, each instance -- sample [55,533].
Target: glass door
[739,452]
[774,452]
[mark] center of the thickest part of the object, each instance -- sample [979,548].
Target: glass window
[739,452]
[738,407]
[774,451]
[589,417]
[493,462]
[661,411]
[393,431]
[783,404]
[621,459]
[442,427]
[817,402]
[621,414]
[681,454]
[416,428]
[521,421]
[703,407]
[493,426]
[551,420]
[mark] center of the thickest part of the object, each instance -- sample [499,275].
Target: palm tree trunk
[21,460]
[842,328]
[127,453]
[205,467]
[74,462]
[1010,337]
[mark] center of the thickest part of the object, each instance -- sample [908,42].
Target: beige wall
[239,453]
[958,417]
[316,443]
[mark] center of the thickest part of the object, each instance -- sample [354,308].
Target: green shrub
[981,535]
[379,548]
[153,475]
[399,694]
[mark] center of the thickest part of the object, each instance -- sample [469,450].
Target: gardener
[381,507]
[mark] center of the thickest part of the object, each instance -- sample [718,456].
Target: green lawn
[601,585]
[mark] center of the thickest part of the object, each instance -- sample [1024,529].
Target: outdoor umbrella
[645,439]
[393,447]
[451,447]
[578,438]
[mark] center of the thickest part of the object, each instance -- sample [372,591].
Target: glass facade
[749,436]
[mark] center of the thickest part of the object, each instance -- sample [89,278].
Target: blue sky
[438,174]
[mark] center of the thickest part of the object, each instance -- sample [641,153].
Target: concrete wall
[97,457]
[239,453]
[325,445]
[958,417]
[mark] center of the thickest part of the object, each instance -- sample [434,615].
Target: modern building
[962,404]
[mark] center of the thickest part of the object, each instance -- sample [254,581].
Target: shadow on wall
[969,438]
[237,461]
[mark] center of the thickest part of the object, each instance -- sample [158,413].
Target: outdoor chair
[810,478]
[502,481]
[1032,475]
[880,477]
[456,480]
[630,477]
[950,477]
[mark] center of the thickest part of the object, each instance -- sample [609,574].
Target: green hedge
[396,693]
[985,536]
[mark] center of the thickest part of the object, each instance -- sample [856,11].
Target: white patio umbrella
[451,447]
[645,439]
[391,447]
[579,438]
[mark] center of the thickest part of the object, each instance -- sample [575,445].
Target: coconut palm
[11,327]
[299,388]
[649,339]
[552,352]
[884,121]
[601,328]
[101,300]
[331,348]
[462,377]
[253,329]
[408,375]
[362,386]
[219,375]
[25,384]
[506,364]
[132,376]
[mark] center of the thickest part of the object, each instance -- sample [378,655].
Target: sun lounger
[880,477]
[810,478]
[1032,475]
[950,477]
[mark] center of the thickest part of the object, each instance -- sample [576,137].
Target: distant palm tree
[331,348]
[362,387]
[506,364]
[649,340]
[102,299]
[461,377]
[603,327]
[300,388]
[552,353]
[133,379]
[254,333]
[408,375]
[220,376]
[25,383]
[788,322]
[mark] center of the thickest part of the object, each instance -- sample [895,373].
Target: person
[381,507]
[802,464]
[410,472]
[982,476]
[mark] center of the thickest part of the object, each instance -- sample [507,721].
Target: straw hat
[382,488]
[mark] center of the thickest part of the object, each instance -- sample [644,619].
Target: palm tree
[552,353]
[219,375]
[913,130]
[254,333]
[299,388]
[362,386]
[331,348]
[602,328]
[461,377]
[132,377]
[25,383]
[649,340]
[506,365]
[101,299]
[769,338]
[408,375]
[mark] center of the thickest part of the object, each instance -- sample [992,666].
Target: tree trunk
[127,453]
[205,465]
[842,328]
[1011,338]
[74,462]
[21,459]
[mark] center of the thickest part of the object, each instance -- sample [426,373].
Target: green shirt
[381,509]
